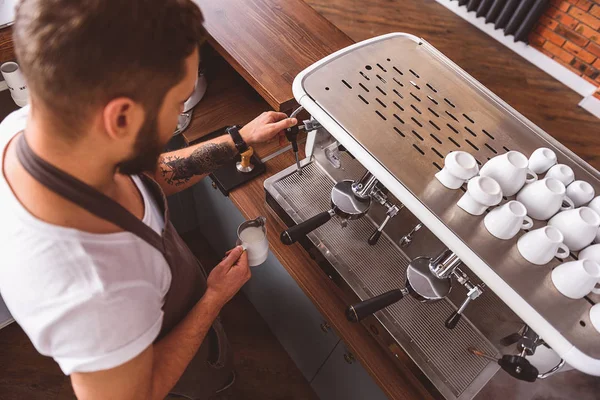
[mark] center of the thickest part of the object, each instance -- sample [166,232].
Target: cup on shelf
[505,221]
[595,204]
[16,83]
[510,170]
[459,167]
[542,245]
[544,198]
[591,253]
[576,279]
[580,192]
[595,316]
[482,192]
[578,226]
[562,172]
[541,160]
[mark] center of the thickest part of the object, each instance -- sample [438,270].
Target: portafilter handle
[359,311]
[392,211]
[293,234]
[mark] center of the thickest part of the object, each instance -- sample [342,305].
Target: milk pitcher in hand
[252,236]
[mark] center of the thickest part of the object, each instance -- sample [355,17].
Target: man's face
[159,125]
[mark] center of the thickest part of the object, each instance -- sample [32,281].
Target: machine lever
[392,211]
[474,291]
[516,366]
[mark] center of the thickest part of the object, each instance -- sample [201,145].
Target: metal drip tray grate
[408,106]
[371,270]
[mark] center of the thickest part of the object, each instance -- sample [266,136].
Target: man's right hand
[228,277]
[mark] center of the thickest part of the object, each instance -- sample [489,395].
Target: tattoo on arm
[178,170]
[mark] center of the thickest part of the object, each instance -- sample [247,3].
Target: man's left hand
[266,126]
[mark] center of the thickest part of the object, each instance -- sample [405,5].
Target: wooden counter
[399,379]
[7,48]
[269,42]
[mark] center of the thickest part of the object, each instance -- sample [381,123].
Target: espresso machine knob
[516,366]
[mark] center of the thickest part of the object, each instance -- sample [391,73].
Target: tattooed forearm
[205,159]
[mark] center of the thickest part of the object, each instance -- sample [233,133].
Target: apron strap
[84,195]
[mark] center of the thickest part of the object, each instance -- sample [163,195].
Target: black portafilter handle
[293,234]
[359,311]
[452,320]
[291,135]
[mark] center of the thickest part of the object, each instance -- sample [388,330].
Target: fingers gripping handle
[359,311]
[293,234]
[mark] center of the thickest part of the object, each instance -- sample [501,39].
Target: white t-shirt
[90,301]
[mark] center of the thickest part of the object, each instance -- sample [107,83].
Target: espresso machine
[466,307]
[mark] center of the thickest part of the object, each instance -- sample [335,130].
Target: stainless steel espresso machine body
[385,112]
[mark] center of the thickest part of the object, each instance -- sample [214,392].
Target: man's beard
[147,149]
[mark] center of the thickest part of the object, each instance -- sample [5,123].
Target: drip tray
[372,270]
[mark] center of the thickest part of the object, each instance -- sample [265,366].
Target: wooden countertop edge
[397,380]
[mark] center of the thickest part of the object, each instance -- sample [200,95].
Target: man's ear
[123,117]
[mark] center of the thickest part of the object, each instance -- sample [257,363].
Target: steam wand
[292,136]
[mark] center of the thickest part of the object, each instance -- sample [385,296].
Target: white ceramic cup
[505,221]
[542,245]
[562,172]
[16,83]
[459,167]
[576,279]
[544,198]
[252,236]
[595,204]
[580,192]
[591,253]
[595,316]
[510,170]
[541,160]
[578,226]
[482,192]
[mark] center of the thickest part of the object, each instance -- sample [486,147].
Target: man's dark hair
[80,54]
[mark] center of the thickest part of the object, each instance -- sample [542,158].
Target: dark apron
[212,365]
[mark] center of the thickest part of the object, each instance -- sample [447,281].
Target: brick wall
[569,32]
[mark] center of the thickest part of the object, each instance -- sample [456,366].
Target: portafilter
[421,284]
[344,203]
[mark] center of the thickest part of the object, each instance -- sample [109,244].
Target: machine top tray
[399,106]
